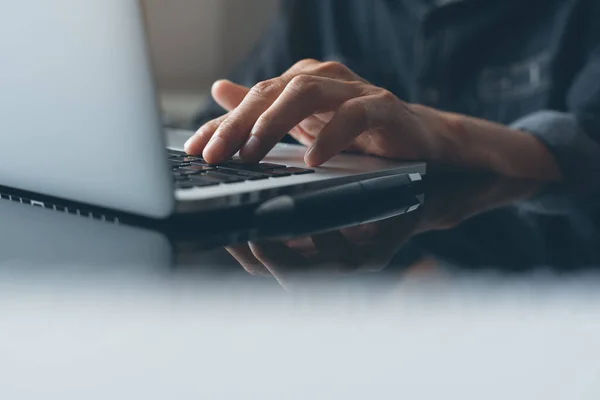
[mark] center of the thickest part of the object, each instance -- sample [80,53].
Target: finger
[326,242]
[303,244]
[308,129]
[196,144]
[331,69]
[352,118]
[302,136]
[382,240]
[244,256]
[336,249]
[301,66]
[234,131]
[312,125]
[227,94]
[325,117]
[302,97]
[282,262]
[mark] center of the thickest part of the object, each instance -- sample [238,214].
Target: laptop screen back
[78,106]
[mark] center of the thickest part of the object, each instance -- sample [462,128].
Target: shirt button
[431,96]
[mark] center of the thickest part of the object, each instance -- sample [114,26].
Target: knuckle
[334,67]
[358,111]
[263,121]
[226,127]
[305,63]
[360,87]
[387,97]
[207,129]
[211,126]
[303,84]
[265,88]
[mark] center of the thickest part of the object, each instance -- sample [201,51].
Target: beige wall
[197,41]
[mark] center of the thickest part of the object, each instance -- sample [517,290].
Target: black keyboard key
[246,175]
[201,184]
[184,185]
[298,171]
[194,159]
[266,165]
[223,178]
[186,173]
[177,153]
[234,164]
[262,165]
[200,162]
[195,168]
[277,173]
[178,164]
[204,181]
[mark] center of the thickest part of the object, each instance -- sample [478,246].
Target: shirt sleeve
[576,152]
[574,136]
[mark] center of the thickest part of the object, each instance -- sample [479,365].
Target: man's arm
[573,137]
[329,108]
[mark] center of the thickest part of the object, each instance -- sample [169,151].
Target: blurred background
[195,42]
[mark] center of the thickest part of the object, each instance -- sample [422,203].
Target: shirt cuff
[577,154]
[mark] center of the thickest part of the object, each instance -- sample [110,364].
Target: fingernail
[311,157]
[216,147]
[252,147]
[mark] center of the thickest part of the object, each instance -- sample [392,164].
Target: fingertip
[228,94]
[190,145]
[215,150]
[250,153]
[187,145]
[196,143]
[217,86]
[313,159]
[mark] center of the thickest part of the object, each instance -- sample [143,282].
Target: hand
[328,256]
[325,106]
[330,109]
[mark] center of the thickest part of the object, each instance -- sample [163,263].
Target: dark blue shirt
[530,64]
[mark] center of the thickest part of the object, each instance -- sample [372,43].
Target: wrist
[478,144]
[452,142]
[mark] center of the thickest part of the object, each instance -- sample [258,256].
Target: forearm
[478,144]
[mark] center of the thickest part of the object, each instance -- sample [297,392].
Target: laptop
[82,123]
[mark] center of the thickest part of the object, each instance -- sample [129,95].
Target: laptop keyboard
[193,172]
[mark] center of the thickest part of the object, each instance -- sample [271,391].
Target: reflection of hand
[362,249]
[370,247]
[329,108]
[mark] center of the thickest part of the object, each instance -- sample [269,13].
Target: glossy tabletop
[487,289]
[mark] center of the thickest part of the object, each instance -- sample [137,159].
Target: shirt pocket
[506,93]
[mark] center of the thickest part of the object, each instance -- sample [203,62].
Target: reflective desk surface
[489,289]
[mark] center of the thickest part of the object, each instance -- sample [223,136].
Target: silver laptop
[80,121]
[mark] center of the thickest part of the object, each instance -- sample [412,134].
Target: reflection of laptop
[81,122]
[80,241]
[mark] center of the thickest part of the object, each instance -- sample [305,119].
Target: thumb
[227,94]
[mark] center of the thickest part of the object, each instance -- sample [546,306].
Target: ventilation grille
[65,209]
